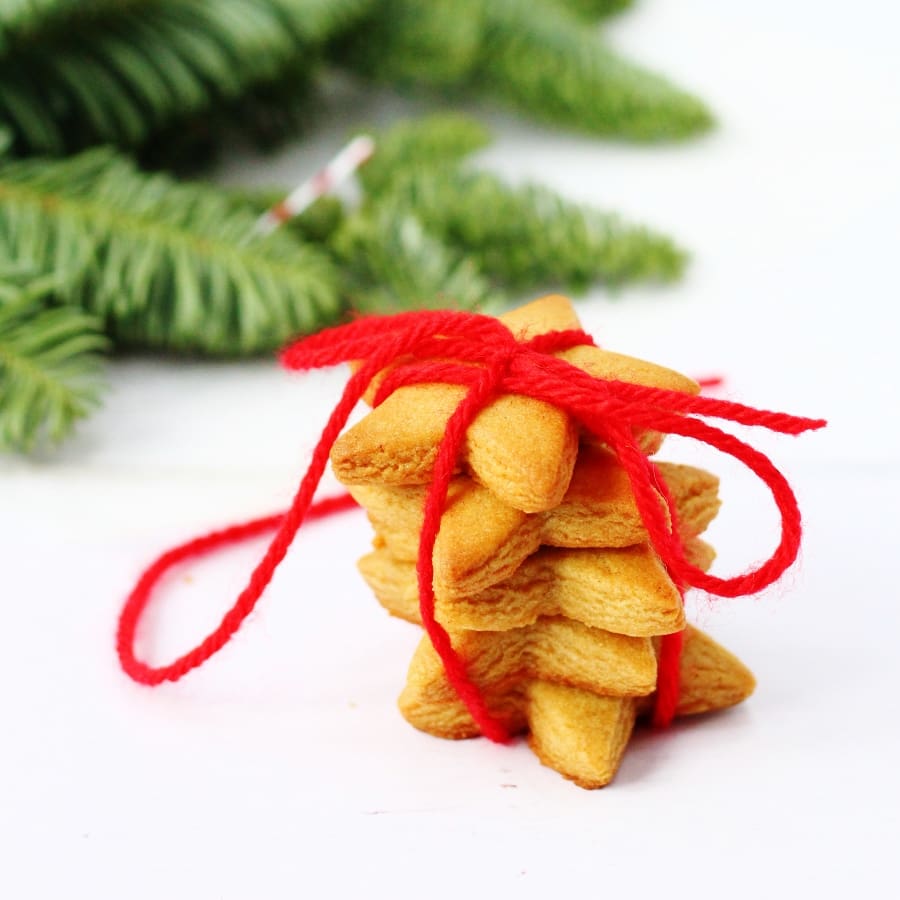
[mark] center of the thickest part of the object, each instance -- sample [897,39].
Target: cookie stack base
[579,733]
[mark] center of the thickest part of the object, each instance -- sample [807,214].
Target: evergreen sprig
[182,73]
[264,115]
[50,360]
[168,266]
[540,56]
[390,262]
[123,76]
[430,43]
[433,142]
[591,10]
[528,235]
[20,19]
[546,63]
[519,236]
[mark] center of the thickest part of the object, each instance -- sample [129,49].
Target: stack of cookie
[543,576]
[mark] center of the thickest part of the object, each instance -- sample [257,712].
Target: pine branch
[432,142]
[267,114]
[520,236]
[592,10]
[549,65]
[386,260]
[526,236]
[390,263]
[22,19]
[434,43]
[168,265]
[538,56]
[121,77]
[50,361]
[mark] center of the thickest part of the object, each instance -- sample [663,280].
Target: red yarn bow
[481,354]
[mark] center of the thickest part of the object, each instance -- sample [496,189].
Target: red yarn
[479,353]
[139,598]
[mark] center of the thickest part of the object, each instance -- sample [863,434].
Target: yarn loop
[482,355]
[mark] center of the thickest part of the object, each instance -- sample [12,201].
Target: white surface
[282,769]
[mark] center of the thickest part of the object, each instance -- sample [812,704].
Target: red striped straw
[341,167]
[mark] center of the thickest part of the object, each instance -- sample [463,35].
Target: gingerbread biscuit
[623,590]
[601,492]
[580,735]
[483,541]
[712,678]
[522,449]
[552,649]
[583,736]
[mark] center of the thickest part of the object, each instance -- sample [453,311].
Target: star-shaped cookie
[483,540]
[510,443]
[625,590]
[580,733]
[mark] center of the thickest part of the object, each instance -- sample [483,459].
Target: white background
[283,768]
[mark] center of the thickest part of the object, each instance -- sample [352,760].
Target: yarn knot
[481,358]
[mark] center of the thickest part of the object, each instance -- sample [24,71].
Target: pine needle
[390,263]
[527,235]
[264,115]
[431,142]
[122,76]
[519,236]
[50,362]
[21,19]
[167,265]
[430,43]
[540,56]
[592,10]
[187,71]
[549,65]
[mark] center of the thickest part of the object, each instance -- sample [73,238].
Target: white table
[283,769]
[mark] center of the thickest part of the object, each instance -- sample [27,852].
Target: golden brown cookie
[623,590]
[580,735]
[522,449]
[712,678]
[482,540]
[551,313]
[552,649]
[599,505]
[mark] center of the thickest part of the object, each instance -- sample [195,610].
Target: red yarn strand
[140,597]
[480,354]
[476,398]
[668,679]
